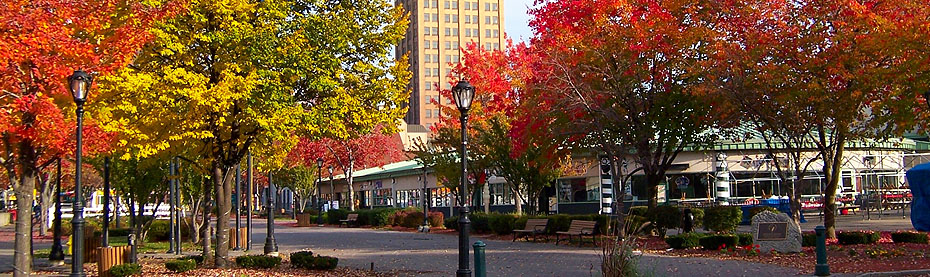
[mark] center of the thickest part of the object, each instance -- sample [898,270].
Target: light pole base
[423,229]
[463,273]
[272,254]
[57,262]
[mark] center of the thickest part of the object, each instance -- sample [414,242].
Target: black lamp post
[238,215]
[927,97]
[463,93]
[332,188]
[248,204]
[425,199]
[106,202]
[79,83]
[271,247]
[57,254]
[319,182]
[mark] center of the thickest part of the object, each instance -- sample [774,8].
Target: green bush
[559,223]
[683,241]
[334,216]
[436,219]
[258,261]
[451,223]
[809,239]
[722,218]
[715,242]
[637,221]
[664,218]
[698,217]
[306,260]
[501,224]
[857,237]
[479,223]
[121,232]
[158,231]
[640,210]
[911,237]
[758,209]
[125,270]
[196,258]
[744,239]
[181,265]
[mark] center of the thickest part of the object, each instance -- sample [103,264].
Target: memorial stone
[776,231]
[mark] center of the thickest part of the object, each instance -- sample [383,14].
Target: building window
[497,33]
[487,20]
[448,45]
[455,32]
[500,194]
[426,17]
[426,31]
[446,4]
[474,19]
[448,58]
[427,58]
[496,20]
[455,18]
[494,7]
[435,3]
[429,113]
[426,44]
[474,6]
[448,32]
[408,198]
[455,4]
[382,197]
[578,190]
[435,17]
[487,33]
[426,4]
[435,44]
[448,18]
[487,6]
[440,197]
[497,46]
[467,32]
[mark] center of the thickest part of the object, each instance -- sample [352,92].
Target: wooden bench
[352,219]
[533,228]
[579,228]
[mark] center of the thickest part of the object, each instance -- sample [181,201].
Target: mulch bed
[880,257]
[156,267]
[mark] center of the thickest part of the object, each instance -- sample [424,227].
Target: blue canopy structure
[919,180]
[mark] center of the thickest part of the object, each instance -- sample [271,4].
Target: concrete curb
[897,273]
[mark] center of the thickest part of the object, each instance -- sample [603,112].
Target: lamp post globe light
[79,84]
[319,182]
[463,93]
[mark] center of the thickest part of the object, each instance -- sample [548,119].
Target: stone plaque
[776,231]
[772,231]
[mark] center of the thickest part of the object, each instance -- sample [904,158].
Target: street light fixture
[79,83]
[463,93]
[319,181]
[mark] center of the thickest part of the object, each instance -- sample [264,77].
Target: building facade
[438,31]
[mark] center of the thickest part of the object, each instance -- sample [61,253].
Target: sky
[516,21]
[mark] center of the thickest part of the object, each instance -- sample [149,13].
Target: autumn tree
[509,134]
[629,75]
[224,78]
[817,75]
[42,42]
[299,173]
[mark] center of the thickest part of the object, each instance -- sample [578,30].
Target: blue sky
[516,21]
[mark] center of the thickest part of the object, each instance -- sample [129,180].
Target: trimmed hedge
[664,218]
[181,265]
[121,232]
[436,219]
[125,270]
[258,261]
[698,217]
[376,217]
[334,216]
[744,239]
[158,231]
[306,260]
[686,240]
[911,237]
[196,258]
[482,223]
[715,242]
[722,218]
[451,223]
[857,237]
[809,239]
[502,224]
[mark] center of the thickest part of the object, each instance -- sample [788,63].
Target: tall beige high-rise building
[439,30]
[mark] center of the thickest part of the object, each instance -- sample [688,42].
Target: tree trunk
[22,265]
[652,181]
[205,242]
[517,200]
[832,170]
[349,179]
[193,226]
[223,184]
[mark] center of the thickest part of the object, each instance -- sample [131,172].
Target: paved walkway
[416,254]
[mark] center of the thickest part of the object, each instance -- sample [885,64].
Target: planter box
[303,220]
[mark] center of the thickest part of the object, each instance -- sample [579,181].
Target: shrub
[435,219]
[181,265]
[258,261]
[121,232]
[758,209]
[744,239]
[857,237]
[196,258]
[722,218]
[412,219]
[559,223]
[809,239]
[637,221]
[501,224]
[158,231]
[334,216]
[451,223]
[479,223]
[640,211]
[683,241]
[306,260]
[715,242]
[664,218]
[377,217]
[912,237]
[125,270]
[698,217]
